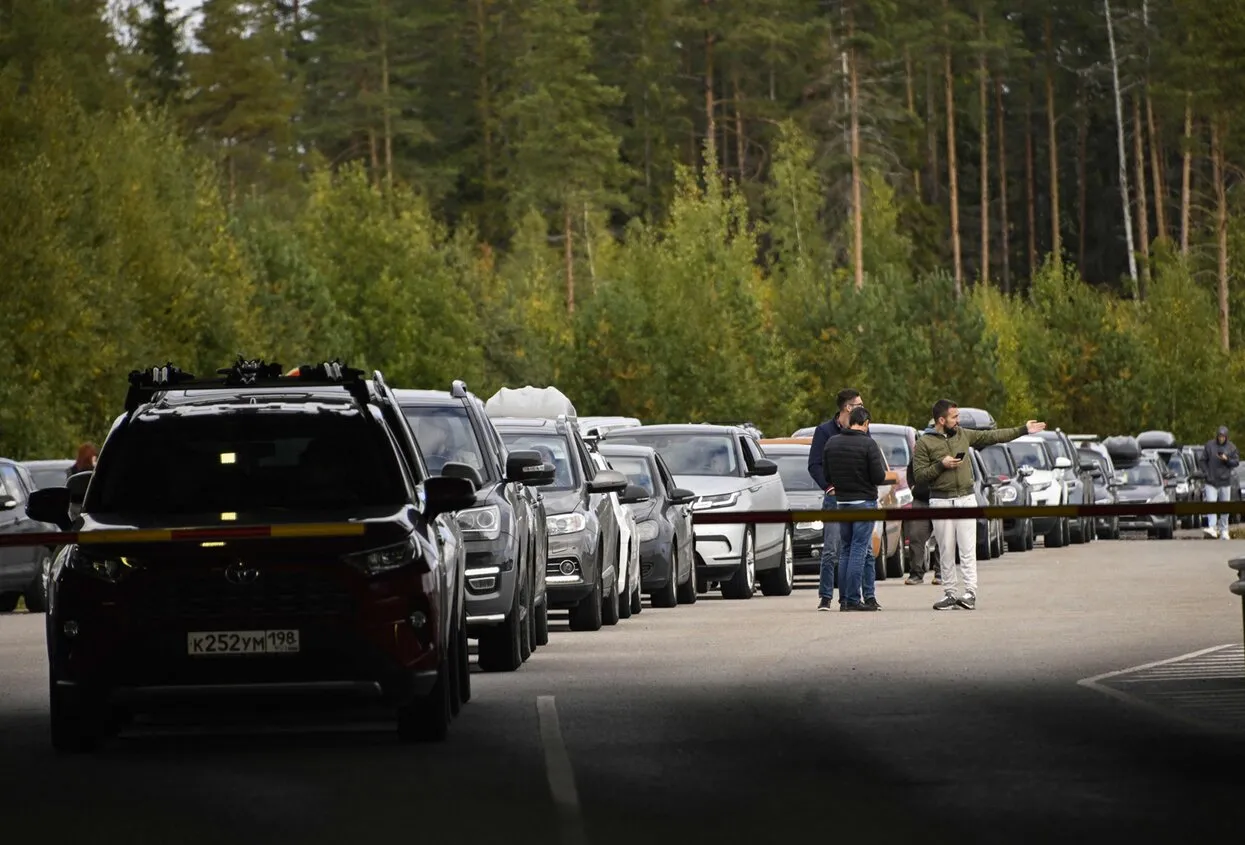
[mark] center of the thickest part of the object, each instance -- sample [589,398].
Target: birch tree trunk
[1030,188]
[1004,226]
[982,90]
[1143,210]
[952,179]
[1219,174]
[569,256]
[911,89]
[1186,174]
[1056,240]
[1119,137]
[858,235]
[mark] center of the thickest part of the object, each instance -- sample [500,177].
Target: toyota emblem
[240,573]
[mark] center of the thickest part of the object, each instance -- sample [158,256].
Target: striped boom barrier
[292,531]
[714,517]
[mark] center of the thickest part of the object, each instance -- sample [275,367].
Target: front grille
[207,595]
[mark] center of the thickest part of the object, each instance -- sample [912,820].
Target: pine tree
[563,157]
[158,37]
[241,97]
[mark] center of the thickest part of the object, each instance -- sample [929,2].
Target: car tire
[671,594]
[74,721]
[427,718]
[464,662]
[586,616]
[743,581]
[781,581]
[611,610]
[501,647]
[687,590]
[542,623]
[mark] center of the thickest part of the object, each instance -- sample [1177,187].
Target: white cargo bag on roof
[546,403]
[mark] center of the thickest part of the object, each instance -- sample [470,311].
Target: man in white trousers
[941,461]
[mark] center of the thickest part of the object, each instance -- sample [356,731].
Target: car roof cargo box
[1125,451]
[974,418]
[546,403]
[1157,440]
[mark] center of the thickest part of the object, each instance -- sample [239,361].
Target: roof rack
[244,373]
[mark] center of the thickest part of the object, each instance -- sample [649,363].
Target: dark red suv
[256,535]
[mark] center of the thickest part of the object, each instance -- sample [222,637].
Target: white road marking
[1199,724]
[561,775]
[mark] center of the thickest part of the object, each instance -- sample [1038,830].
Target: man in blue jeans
[855,466]
[830,559]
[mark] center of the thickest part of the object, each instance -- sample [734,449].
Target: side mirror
[77,484]
[634,494]
[51,505]
[446,494]
[764,466]
[681,495]
[525,465]
[7,504]
[608,481]
[454,469]
[1063,463]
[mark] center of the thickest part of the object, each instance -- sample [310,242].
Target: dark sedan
[663,524]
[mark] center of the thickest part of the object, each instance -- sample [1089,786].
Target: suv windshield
[445,434]
[636,469]
[691,453]
[553,448]
[995,459]
[1142,475]
[240,462]
[1028,454]
[794,472]
[894,449]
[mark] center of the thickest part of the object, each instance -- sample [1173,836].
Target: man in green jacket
[940,460]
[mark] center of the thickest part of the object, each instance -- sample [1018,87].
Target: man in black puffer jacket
[855,467]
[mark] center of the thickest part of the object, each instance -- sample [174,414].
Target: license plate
[208,643]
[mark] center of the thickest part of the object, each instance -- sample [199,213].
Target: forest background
[680,210]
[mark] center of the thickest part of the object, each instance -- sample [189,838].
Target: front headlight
[566,523]
[719,500]
[110,569]
[812,526]
[1007,494]
[480,523]
[646,530]
[384,559]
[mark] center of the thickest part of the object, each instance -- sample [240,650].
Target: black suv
[507,605]
[581,568]
[256,535]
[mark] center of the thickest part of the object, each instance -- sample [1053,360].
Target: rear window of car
[247,461]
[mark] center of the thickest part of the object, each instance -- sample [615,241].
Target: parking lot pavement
[720,722]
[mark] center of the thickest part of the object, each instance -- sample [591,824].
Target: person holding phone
[939,461]
[1221,459]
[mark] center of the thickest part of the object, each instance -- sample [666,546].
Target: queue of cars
[320,533]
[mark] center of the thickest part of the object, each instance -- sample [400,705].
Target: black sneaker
[824,604]
[969,602]
[873,603]
[948,603]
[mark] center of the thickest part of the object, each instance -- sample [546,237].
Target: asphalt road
[750,721]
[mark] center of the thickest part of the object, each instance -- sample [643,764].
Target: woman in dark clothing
[85,461]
